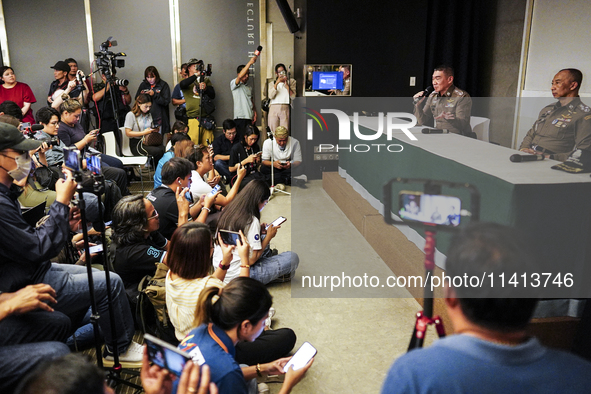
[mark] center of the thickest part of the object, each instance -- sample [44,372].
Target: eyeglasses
[54,123]
[154,215]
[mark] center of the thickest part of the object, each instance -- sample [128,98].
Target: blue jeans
[269,267]
[24,342]
[73,299]
[222,167]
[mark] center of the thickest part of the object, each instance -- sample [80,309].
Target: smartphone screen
[165,355]
[230,237]
[96,249]
[215,189]
[429,208]
[93,163]
[277,222]
[72,159]
[301,357]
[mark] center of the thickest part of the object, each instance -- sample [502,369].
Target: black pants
[139,149]
[269,346]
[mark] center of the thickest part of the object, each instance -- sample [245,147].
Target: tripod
[113,375]
[425,318]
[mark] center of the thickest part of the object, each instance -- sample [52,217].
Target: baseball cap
[11,137]
[61,66]
[193,61]
[578,162]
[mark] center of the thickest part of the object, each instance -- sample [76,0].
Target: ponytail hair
[242,299]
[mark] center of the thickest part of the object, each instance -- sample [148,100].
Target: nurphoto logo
[394,121]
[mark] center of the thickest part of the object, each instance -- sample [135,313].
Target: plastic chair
[134,161]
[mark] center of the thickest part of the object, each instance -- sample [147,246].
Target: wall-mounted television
[327,80]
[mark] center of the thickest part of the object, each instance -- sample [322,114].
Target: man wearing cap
[25,254]
[63,85]
[287,157]
[245,112]
[74,71]
[192,93]
[447,104]
[564,126]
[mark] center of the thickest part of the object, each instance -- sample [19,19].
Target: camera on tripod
[108,61]
[202,72]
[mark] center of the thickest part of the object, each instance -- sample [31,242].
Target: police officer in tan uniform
[447,104]
[564,126]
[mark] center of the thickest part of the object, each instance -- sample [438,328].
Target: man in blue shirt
[490,351]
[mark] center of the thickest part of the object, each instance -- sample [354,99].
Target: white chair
[480,126]
[134,161]
[125,149]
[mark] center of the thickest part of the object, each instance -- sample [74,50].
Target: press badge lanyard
[215,337]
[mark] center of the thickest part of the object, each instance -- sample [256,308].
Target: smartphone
[430,208]
[72,159]
[277,222]
[96,249]
[215,189]
[93,163]
[165,355]
[301,357]
[230,237]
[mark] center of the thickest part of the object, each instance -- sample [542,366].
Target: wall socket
[326,156]
[413,81]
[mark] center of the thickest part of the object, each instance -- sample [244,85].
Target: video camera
[107,61]
[202,72]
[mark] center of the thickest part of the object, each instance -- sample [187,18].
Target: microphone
[516,158]
[434,131]
[426,93]
[37,127]
[258,51]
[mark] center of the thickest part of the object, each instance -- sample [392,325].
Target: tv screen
[326,80]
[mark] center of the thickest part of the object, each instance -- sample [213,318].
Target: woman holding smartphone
[244,214]
[71,133]
[248,155]
[189,260]
[225,318]
[138,124]
[159,92]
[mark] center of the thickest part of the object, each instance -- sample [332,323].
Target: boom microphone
[426,93]
[516,158]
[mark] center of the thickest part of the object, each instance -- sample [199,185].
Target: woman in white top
[189,259]
[280,92]
[139,123]
[244,214]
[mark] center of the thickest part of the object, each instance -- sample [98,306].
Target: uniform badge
[257,237]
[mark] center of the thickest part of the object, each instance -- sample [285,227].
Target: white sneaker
[262,388]
[132,358]
[268,319]
[280,186]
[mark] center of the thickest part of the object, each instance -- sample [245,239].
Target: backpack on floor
[151,310]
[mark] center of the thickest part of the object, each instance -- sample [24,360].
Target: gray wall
[505,69]
[42,32]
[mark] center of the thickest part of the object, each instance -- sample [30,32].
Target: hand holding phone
[229,237]
[277,222]
[302,357]
[165,355]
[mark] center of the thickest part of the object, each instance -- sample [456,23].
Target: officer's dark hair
[71,60]
[177,167]
[494,249]
[576,75]
[448,70]
[70,374]
[229,124]
[11,108]
[239,68]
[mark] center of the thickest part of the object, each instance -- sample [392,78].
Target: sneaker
[132,358]
[280,186]
[268,319]
[299,183]
[282,279]
[262,388]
